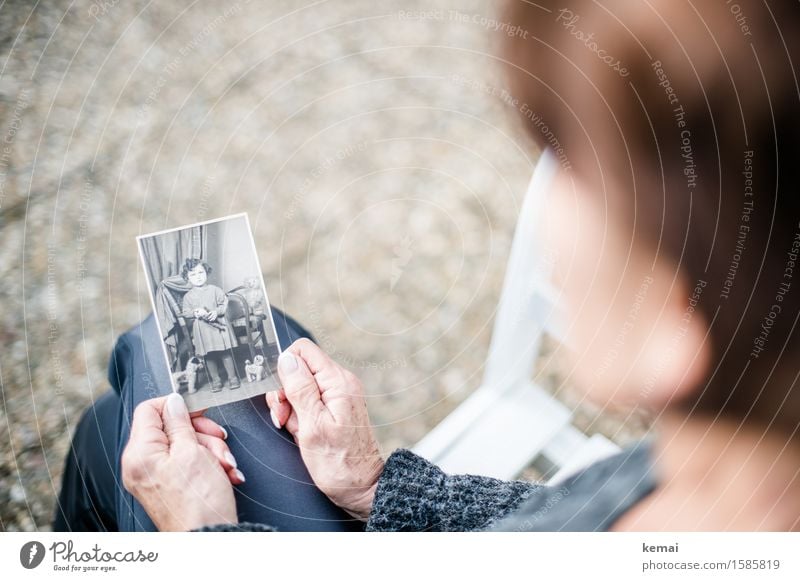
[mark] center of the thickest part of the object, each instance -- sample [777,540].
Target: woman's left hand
[212,316]
[322,405]
[180,475]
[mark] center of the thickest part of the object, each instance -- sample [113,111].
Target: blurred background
[369,142]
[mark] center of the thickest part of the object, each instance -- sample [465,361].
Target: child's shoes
[216,386]
[234,383]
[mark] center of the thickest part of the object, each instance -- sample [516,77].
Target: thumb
[299,384]
[177,423]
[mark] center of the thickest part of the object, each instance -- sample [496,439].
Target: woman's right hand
[178,467]
[322,405]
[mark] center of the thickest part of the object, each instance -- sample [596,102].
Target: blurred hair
[191,264]
[658,104]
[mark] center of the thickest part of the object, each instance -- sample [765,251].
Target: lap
[87,501]
[278,490]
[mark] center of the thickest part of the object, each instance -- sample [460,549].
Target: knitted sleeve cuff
[241,527]
[408,492]
[415,495]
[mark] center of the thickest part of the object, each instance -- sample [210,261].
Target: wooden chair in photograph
[241,323]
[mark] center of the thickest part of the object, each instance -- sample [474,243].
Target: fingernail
[240,476]
[224,433]
[287,362]
[176,406]
[275,421]
[230,459]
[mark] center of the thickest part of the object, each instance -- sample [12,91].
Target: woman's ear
[677,355]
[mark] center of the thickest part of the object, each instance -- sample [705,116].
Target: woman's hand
[211,316]
[179,468]
[322,405]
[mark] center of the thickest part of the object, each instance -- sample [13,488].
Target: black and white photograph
[400,266]
[212,312]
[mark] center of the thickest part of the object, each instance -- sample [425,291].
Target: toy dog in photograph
[255,371]
[188,375]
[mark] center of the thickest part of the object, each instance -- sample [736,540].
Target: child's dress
[208,336]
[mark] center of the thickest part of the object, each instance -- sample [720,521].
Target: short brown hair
[686,115]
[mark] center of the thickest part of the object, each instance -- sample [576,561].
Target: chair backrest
[509,421]
[528,305]
[237,312]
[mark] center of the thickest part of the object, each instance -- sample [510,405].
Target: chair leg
[248,329]
[259,330]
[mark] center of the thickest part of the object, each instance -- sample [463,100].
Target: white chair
[509,421]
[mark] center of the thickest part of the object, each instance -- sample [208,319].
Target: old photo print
[212,311]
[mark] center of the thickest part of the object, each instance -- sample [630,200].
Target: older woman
[680,132]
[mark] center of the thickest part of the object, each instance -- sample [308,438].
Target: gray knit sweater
[415,495]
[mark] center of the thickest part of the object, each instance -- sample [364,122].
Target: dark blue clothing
[278,492]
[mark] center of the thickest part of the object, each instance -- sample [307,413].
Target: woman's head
[676,218]
[195,271]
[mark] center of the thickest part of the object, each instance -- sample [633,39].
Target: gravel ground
[381,169]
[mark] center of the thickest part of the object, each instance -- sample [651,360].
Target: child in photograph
[212,339]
